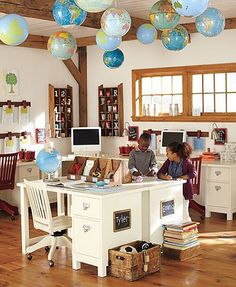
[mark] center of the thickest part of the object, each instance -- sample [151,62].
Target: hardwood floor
[214,267]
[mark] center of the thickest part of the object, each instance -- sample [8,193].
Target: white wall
[36,69]
[202,50]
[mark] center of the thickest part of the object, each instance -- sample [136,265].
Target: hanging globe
[62,45]
[113,59]
[66,13]
[163,16]
[13,29]
[48,161]
[175,39]
[94,6]
[190,8]
[116,22]
[210,23]
[146,34]
[107,43]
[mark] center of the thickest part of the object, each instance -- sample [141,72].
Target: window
[211,89]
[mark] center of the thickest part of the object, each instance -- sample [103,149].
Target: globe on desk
[48,161]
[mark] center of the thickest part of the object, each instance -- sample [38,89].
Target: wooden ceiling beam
[42,9]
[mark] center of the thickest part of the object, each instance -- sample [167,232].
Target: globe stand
[51,178]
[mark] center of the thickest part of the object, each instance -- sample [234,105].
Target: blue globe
[175,39]
[106,42]
[190,8]
[48,161]
[66,12]
[13,29]
[210,23]
[146,34]
[113,59]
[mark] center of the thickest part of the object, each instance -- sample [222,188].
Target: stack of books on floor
[181,241]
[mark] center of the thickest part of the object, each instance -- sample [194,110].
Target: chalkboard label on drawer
[167,207]
[121,220]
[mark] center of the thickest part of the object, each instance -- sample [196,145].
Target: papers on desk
[71,184]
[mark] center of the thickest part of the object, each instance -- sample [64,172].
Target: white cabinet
[93,226]
[220,193]
[27,170]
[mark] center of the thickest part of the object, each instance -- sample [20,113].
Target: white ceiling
[136,8]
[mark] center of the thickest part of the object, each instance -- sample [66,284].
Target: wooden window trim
[187,72]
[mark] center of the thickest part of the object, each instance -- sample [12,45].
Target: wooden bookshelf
[110,110]
[60,111]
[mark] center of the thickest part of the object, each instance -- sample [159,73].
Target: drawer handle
[217,172]
[86,205]
[29,169]
[86,228]
[217,187]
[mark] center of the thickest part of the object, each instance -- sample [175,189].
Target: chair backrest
[197,163]
[40,205]
[7,170]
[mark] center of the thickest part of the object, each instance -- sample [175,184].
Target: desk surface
[109,191]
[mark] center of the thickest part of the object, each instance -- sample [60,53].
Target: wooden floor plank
[214,267]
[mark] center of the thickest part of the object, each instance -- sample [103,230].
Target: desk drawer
[28,172]
[219,174]
[86,236]
[85,206]
[218,194]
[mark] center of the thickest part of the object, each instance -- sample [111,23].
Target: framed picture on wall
[11,82]
[133,133]
[40,136]
[221,138]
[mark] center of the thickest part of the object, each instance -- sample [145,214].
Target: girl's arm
[191,171]
[163,171]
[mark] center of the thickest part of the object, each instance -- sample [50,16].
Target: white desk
[92,217]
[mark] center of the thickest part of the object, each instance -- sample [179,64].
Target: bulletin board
[133,133]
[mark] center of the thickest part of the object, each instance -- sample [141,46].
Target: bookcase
[60,111]
[110,110]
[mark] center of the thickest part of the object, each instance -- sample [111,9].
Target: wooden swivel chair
[43,220]
[197,162]
[7,180]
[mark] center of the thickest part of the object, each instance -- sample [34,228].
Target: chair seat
[61,222]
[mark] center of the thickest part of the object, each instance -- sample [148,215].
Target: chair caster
[202,217]
[12,217]
[47,248]
[51,263]
[29,256]
[57,247]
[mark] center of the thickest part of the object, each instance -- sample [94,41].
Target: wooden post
[83,113]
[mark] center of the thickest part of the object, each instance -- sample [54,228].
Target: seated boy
[142,159]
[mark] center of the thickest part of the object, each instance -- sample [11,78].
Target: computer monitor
[169,136]
[86,139]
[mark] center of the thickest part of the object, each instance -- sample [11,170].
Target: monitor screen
[168,137]
[86,139]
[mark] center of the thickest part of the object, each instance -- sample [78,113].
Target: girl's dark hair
[183,150]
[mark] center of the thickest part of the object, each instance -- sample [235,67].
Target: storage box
[132,266]
[182,255]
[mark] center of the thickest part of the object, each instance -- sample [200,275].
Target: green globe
[163,16]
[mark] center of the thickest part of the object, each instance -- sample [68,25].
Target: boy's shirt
[142,161]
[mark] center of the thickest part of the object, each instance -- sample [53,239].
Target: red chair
[197,162]
[7,180]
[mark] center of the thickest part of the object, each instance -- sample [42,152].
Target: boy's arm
[153,164]
[131,164]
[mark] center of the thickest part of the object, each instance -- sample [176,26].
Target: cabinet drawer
[86,236]
[219,174]
[85,206]
[218,194]
[28,171]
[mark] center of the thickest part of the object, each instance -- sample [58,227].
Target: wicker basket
[182,255]
[132,266]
